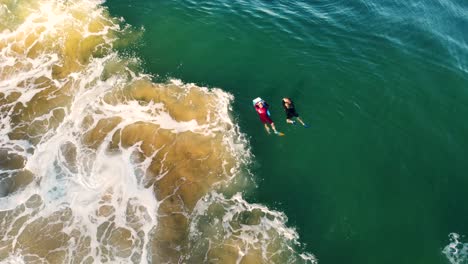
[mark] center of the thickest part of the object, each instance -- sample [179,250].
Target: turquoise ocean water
[381,175]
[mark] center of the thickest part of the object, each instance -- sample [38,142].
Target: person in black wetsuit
[290,111]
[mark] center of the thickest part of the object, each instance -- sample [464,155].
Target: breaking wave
[100,164]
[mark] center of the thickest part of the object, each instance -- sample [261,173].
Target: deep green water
[382,174]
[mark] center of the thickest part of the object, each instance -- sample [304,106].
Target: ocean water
[127,133]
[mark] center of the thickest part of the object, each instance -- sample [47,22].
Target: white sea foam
[86,190]
[257,227]
[456,251]
[14,260]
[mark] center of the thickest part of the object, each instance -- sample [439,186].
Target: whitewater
[100,164]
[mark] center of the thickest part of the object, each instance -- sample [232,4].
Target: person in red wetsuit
[262,110]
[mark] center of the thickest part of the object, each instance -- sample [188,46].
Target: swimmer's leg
[302,122]
[274,128]
[267,128]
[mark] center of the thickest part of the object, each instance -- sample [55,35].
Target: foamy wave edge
[456,251]
[233,139]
